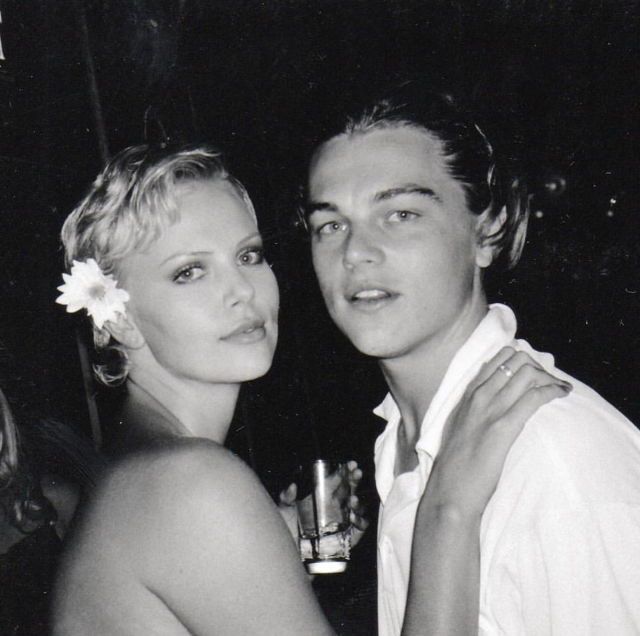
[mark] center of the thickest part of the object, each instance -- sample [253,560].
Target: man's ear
[125,331]
[486,251]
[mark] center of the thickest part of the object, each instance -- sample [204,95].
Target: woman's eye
[189,273]
[252,256]
[401,216]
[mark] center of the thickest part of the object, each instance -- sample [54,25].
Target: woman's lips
[247,332]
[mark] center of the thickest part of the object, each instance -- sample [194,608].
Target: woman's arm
[444,584]
[188,534]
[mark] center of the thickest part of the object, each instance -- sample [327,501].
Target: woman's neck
[184,407]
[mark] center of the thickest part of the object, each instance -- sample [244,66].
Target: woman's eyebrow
[250,238]
[194,254]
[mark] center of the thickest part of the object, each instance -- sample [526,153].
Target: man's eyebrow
[409,188]
[318,206]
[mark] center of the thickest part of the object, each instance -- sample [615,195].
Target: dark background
[556,85]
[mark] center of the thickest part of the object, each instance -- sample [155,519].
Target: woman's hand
[359,523]
[444,586]
[481,429]
[287,508]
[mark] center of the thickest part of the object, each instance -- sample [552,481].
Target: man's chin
[378,345]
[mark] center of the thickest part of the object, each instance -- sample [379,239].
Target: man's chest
[406,457]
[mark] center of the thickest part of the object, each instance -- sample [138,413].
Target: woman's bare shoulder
[159,500]
[191,521]
[177,454]
[177,471]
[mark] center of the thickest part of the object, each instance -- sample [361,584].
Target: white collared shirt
[560,538]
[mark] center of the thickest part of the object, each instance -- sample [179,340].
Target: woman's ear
[125,331]
[486,251]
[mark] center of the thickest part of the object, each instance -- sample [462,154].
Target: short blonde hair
[129,205]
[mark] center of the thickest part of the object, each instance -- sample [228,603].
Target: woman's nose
[239,288]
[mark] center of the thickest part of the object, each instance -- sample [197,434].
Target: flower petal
[89,288]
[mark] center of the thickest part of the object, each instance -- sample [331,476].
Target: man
[406,208]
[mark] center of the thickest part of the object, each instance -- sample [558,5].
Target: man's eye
[189,273]
[331,227]
[252,256]
[402,216]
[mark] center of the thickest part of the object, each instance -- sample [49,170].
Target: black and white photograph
[319,317]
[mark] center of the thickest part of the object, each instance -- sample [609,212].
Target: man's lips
[369,295]
[247,331]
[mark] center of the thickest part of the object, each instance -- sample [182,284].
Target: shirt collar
[494,331]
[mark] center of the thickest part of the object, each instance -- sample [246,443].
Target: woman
[44,467]
[181,538]
[29,547]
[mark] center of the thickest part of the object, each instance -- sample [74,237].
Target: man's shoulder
[582,416]
[578,447]
[580,444]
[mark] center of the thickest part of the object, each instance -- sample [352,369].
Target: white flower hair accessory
[87,287]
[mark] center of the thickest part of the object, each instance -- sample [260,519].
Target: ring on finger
[506,370]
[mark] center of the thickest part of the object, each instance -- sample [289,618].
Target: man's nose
[362,247]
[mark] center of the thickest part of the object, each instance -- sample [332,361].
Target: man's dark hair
[488,183]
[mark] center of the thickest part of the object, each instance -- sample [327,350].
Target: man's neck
[415,377]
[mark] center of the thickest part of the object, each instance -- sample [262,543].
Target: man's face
[394,246]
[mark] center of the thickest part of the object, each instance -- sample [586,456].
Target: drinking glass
[324,529]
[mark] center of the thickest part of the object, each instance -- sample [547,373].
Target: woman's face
[202,296]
